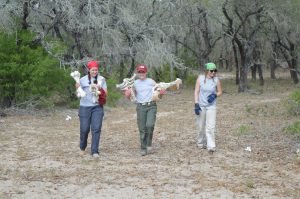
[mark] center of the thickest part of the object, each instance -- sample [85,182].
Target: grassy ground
[40,157]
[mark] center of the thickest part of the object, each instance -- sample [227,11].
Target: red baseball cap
[141,68]
[92,64]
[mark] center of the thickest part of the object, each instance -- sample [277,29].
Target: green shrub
[188,58]
[295,96]
[191,81]
[113,94]
[74,104]
[27,70]
[293,128]
[44,103]
[293,103]
[163,74]
[243,130]
[250,183]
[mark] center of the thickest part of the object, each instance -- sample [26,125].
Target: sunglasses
[213,71]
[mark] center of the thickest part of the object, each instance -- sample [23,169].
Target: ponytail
[96,78]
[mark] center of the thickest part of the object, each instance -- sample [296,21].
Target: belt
[147,103]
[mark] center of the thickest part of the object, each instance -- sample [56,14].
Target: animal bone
[95,90]
[128,84]
[76,76]
[174,85]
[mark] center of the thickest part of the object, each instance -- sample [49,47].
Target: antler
[128,84]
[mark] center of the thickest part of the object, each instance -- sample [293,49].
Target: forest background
[43,41]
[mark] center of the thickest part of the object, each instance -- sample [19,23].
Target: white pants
[206,124]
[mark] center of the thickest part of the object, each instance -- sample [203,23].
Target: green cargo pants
[146,117]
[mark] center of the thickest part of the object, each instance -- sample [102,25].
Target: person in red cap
[146,108]
[90,110]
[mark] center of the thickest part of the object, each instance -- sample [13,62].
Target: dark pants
[146,116]
[90,119]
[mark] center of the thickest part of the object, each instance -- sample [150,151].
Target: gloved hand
[211,98]
[197,109]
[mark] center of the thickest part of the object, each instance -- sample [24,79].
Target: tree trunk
[273,68]
[291,59]
[293,71]
[260,74]
[25,24]
[246,52]
[228,67]
[243,80]
[176,47]
[243,72]
[56,23]
[122,67]
[57,32]
[132,67]
[171,72]
[6,102]
[81,50]
[294,76]
[293,66]
[253,71]
[221,65]
[236,60]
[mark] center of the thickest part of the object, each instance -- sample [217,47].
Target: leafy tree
[27,71]
[285,33]
[243,25]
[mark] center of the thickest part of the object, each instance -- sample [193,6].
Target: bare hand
[127,93]
[162,92]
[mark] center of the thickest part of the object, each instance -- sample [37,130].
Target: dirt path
[40,156]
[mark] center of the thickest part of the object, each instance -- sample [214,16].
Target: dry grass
[40,157]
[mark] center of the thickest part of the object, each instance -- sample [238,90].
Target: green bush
[74,104]
[27,70]
[188,58]
[191,80]
[163,74]
[296,96]
[293,128]
[113,95]
[243,130]
[293,103]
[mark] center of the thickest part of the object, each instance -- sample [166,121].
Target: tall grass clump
[293,103]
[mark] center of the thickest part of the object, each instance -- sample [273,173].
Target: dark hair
[96,78]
